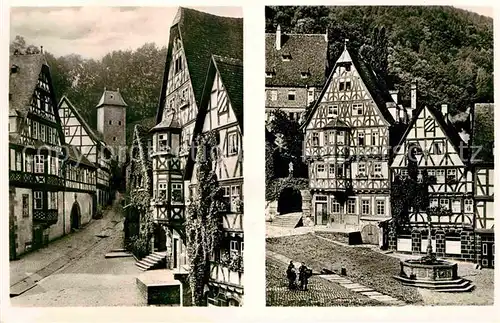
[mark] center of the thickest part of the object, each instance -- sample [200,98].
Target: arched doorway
[370,234]
[75,216]
[290,201]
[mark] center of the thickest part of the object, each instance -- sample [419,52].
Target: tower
[111,115]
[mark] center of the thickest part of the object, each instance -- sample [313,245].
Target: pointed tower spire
[278,37]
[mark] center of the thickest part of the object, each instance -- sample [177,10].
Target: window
[335,207]
[380,207]
[437,148]
[357,109]
[404,172]
[273,95]
[434,202]
[365,207]
[28,163]
[19,161]
[235,197]
[361,169]
[330,137]
[52,202]
[374,139]
[440,175]
[315,139]
[310,96]
[66,131]
[286,57]
[39,164]
[361,139]
[468,206]
[451,175]
[269,74]
[333,110]
[35,130]
[456,206]
[37,196]
[377,169]
[340,138]
[348,68]
[304,75]
[431,172]
[331,169]
[114,138]
[42,132]
[233,246]
[291,95]
[345,86]
[445,203]
[227,196]
[26,205]
[178,65]
[340,170]
[110,122]
[53,168]
[119,123]
[176,192]
[162,142]
[162,190]
[321,198]
[351,206]
[233,143]
[320,168]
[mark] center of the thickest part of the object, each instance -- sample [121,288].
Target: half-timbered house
[296,66]
[221,112]
[90,143]
[442,153]
[40,190]
[348,136]
[482,162]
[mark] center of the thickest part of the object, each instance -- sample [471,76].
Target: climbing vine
[203,220]
[277,185]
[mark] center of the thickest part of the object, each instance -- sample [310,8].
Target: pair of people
[303,276]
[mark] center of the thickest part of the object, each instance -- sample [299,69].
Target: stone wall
[307,216]
[65,204]
[23,225]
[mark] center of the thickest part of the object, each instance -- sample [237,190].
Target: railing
[48,216]
[222,274]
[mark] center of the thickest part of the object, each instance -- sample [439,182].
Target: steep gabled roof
[448,128]
[113,98]
[375,85]
[23,79]
[483,132]
[308,53]
[202,35]
[76,155]
[95,135]
[231,73]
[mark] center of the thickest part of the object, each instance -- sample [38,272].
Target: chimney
[278,37]
[41,49]
[394,95]
[413,88]
[444,110]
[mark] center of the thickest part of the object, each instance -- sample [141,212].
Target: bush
[139,246]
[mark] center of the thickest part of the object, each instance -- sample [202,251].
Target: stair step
[456,290]
[155,257]
[437,282]
[142,266]
[149,262]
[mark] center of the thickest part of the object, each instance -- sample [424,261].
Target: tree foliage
[137,73]
[448,51]
[203,221]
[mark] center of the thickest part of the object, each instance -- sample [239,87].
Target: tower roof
[170,122]
[113,98]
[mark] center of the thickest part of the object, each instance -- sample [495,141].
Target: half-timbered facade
[43,197]
[442,153]
[296,67]
[348,135]
[194,37]
[221,112]
[482,162]
[91,145]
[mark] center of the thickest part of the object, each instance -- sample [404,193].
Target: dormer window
[286,57]
[345,86]
[14,68]
[305,75]
[291,95]
[178,64]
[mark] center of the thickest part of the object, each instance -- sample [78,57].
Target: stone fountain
[432,273]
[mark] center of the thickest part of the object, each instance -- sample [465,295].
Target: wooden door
[321,214]
[175,252]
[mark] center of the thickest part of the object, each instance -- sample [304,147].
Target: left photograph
[126,156]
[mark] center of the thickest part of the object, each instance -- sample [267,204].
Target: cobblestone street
[73,271]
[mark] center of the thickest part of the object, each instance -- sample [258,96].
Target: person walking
[291,275]
[304,274]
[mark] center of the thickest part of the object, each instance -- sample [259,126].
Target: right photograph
[379,156]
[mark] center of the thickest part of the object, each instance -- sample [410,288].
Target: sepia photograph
[379,165]
[125,156]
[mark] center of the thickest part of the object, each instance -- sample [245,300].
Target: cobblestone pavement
[81,276]
[275,231]
[321,292]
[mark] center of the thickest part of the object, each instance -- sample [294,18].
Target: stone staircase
[156,260]
[290,220]
[450,286]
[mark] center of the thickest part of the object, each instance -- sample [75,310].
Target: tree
[203,221]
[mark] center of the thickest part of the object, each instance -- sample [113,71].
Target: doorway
[175,252]
[75,216]
[290,201]
[488,259]
[321,214]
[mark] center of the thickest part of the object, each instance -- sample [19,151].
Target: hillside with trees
[137,73]
[448,51]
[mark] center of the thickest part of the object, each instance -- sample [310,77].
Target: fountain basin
[438,270]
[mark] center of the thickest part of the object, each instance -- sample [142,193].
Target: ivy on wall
[203,219]
[277,185]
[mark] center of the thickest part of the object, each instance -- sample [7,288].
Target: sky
[92,32]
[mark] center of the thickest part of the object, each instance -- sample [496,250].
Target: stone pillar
[307,207]
[467,245]
[440,243]
[416,242]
